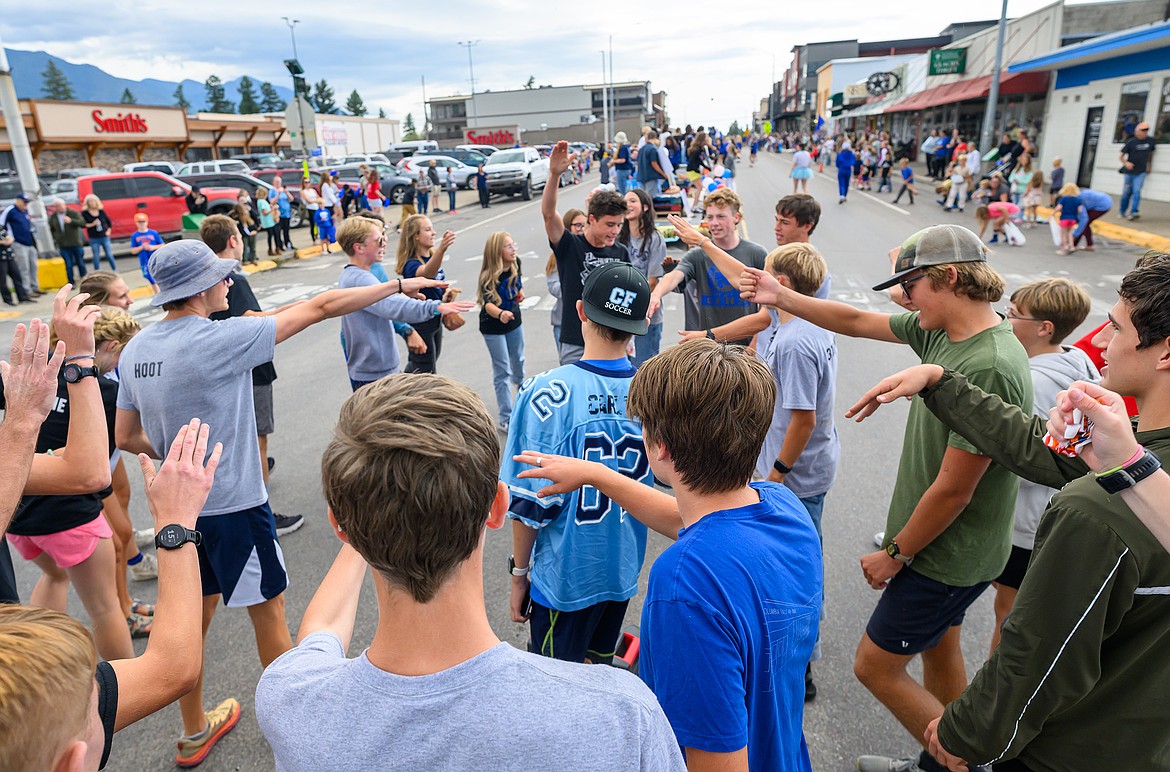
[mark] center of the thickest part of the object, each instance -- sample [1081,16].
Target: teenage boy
[143,242]
[370,347]
[411,481]
[719,300]
[726,633]
[164,378]
[948,529]
[1042,314]
[578,254]
[578,556]
[1079,678]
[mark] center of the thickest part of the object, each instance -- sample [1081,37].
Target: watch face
[71,372]
[170,537]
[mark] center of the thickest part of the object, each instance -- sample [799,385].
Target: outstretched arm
[339,302]
[558,163]
[763,288]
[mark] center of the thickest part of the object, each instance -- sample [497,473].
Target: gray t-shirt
[193,367]
[647,255]
[502,710]
[719,300]
[371,345]
[803,358]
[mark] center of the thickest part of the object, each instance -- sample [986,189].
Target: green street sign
[948,61]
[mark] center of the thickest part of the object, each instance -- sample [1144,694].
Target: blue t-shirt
[410,270]
[1069,206]
[943,146]
[727,632]
[324,216]
[845,160]
[588,549]
[283,203]
[148,236]
[908,175]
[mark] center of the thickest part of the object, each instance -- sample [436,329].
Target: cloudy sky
[714,59]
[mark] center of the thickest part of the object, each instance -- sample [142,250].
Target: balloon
[717,171]
[726,173]
[712,186]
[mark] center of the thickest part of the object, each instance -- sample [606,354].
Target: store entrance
[1093,121]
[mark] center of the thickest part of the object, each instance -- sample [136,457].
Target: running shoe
[286,524]
[139,625]
[220,721]
[271,464]
[141,608]
[810,688]
[887,764]
[144,538]
[145,569]
[879,538]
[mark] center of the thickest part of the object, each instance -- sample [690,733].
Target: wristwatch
[893,551]
[781,467]
[173,536]
[516,571]
[1129,476]
[73,373]
[710,335]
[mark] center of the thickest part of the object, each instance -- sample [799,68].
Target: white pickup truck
[516,170]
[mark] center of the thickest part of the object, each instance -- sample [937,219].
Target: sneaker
[271,464]
[145,569]
[887,764]
[879,538]
[286,524]
[810,689]
[139,625]
[144,538]
[220,721]
[502,426]
[141,608]
[1135,216]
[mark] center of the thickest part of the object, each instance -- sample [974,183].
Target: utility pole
[612,95]
[292,28]
[604,101]
[426,119]
[986,140]
[772,91]
[300,87]
[22,153]
[471,68]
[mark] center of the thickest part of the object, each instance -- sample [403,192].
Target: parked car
[259,160]
[201,167]
[398,156]
[291,179]
[484,150]
[166,167]
[10,187]
[419,162]
[68,174]
[518,170]
[65,189]
[162,197]
[392,183]
[463,155]
[365,158]
[415,145]
[253,183]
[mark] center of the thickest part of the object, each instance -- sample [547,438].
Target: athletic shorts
[67,548]
[572,636]
[240,557]
[1017,566]
[327,232]
[262,399]
[143,263]
[915,612]
[1068,223]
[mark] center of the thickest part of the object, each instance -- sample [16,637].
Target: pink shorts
[1068,223]
[67,548]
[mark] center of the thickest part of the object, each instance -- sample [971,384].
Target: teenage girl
[419,256]
[500,292]
[647,251]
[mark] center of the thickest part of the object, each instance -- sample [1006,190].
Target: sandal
[139,625]
[141,608]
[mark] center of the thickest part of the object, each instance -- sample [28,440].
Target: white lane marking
[532,300]
[872,197]
[473,259]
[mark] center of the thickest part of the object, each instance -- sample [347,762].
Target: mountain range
[93,84]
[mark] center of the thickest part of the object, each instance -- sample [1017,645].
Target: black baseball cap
[617,295]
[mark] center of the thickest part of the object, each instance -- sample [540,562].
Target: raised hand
[178,490]
[759,287]
[560,158]
[456,307]
[30,377]
[73,321]
[413,287]
[690,235]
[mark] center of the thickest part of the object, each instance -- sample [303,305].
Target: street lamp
[300,87]
[986,140]
[292,28]
[471,69]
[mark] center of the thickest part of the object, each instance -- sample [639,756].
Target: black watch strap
[173,536]
[1125,478]
[781,467]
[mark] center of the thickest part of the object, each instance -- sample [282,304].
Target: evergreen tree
[270,101]
[128,97]
[180,99]
[322,99]
[735,128]
[56,85]
[354,105]
[409,131]
[381,113]
[216,96]
[247,91]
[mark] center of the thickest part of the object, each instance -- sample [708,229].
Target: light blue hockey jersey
[588,549]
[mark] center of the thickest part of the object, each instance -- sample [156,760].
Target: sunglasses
[906,283]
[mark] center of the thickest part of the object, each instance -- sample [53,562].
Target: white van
[205,167]
[415,145]
[166,167]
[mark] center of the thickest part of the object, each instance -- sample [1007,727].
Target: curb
[264,265]
[1121,233]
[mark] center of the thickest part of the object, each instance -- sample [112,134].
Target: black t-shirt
[107,684]
[508,291]
[408,195]
[8,593]
[242,299]
[576,257]
[42,515]
[1138,152]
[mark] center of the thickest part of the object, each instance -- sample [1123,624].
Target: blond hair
[715,386]
[976,280]
[47,663]
[98,284]
[1070,189]
[801,263]
[112,324]
[408,242]
[91,198]
[1064,303]
[723,197]
[354,230]
[410,475]
[488,290]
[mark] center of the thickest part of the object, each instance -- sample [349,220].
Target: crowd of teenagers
[1020,469]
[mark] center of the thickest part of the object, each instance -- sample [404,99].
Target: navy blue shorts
[240,557]
[1017,566]
[915,612]
[572,636]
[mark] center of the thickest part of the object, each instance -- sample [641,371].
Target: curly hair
[112,324]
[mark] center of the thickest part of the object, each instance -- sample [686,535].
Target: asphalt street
[844,720]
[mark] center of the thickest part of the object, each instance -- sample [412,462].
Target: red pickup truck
[161,197]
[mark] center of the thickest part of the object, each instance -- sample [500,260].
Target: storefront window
[1162,124]
[1131,110]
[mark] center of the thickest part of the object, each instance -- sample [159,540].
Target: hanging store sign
[948,61]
